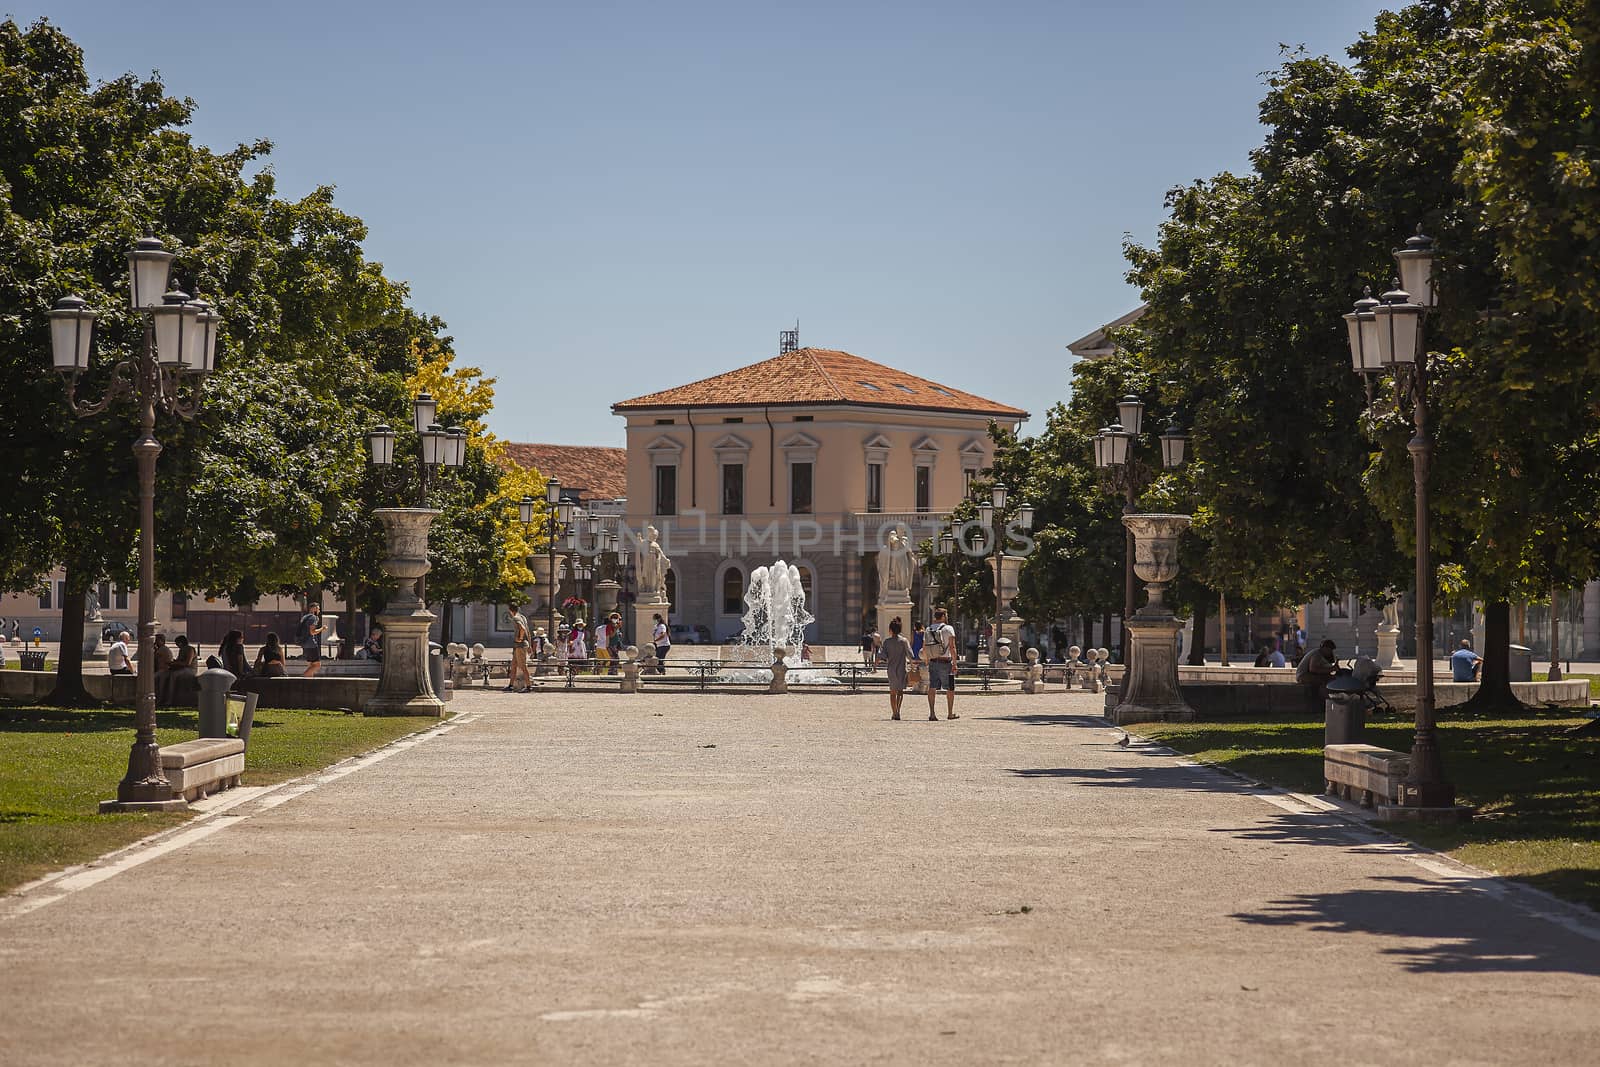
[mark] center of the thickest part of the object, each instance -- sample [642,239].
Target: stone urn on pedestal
[1388,635]
[544,588]
[404,687]
[1150,691]
[605,597]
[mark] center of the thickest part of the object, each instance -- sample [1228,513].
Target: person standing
[577,646]
[309,635]
[918,636]
[614,640]
[519,652]
[602,646]
[939,649]
[896,655]
[661,637]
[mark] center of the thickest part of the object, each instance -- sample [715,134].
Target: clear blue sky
[610,197]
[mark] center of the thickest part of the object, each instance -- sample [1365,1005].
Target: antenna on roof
[789,340]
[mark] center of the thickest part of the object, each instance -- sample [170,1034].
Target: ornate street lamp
[990,539]
[1114,456]
[1396,330]
[404,686]
[167,376]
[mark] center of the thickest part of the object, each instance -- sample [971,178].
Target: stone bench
[203,766]
[1365,773]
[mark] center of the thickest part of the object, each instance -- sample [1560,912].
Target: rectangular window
[733,418]
[666,422]
[104,593]
[924,488]
[122,598]
[874,487]
[180,606]
[800,488]
[966,486]
[666,490]
[1337,608]
[733,488]
[44,598]
[805,418]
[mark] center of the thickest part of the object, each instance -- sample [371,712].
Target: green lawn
[60,763]
[1538,788]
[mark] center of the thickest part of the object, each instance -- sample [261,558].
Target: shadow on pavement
[1050,720]
[1154,776]
[1457,928]
[1289,829]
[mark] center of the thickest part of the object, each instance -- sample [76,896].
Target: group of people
[533,651]
[934,652]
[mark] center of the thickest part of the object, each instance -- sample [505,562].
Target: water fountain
[775,618]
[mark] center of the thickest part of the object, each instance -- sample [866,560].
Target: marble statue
[896,569]
[652,568]
[1391,616]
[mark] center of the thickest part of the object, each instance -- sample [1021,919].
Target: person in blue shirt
[1464,663]
[916,641]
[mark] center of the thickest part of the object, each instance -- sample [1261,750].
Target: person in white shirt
[661,637]
[117,657]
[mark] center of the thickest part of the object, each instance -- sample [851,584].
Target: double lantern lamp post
[991,537]
[561,514]
[1386,338]
[179,349]
[438,448]
[1114,454]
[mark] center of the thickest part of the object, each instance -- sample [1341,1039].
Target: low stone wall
[330,694]
[36,685]
[1246,700]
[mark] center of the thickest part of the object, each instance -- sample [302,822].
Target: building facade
[810,457]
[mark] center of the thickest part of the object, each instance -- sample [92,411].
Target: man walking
[519,652]
[939,648]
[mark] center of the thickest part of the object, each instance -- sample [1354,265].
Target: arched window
[733,591]
[672,588]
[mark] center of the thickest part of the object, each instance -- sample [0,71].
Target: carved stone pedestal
[644,622]
[894,609]
[1150,690]
[404,688]
[1387,641]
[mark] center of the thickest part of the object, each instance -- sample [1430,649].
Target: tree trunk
[1197,646]
[1222,628]
[69,690]
[1494,686]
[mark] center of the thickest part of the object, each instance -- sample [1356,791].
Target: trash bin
[1521,669]
[32,659]
[436,670]
[1345,712]
[213,701]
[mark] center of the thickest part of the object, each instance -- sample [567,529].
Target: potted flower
[573,607]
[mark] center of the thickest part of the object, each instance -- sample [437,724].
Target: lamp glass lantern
[192,349]
[433,444]
[1130,409]
[458,447]
[552,492]
[997,495]
[1416,261]
[380,445]
[149,265]
[1174,442]
[525,510]
[71,334]
[564,511]
[986,514]
[1102,455]
[1362,325]
[204,358]
[174,326]
[947,544]
[424,409]
[1399,323]
[1117,442]
[1025,516]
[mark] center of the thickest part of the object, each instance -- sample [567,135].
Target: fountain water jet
[775,617]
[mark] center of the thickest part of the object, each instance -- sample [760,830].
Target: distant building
[1097,345]
[810,457]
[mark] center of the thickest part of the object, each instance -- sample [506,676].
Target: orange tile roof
[596,472]
[820,376]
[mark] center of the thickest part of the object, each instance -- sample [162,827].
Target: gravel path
[681,878]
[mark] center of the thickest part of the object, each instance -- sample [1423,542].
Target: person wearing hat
[577,645]
[541,651]
[614,640]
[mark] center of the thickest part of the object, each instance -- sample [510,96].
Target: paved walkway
[738,879]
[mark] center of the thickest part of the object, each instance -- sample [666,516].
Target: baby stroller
[1361,679]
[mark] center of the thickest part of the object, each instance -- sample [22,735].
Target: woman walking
[661,637]
[896,653]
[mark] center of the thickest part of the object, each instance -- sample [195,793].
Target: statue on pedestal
[896,569]
[652,569]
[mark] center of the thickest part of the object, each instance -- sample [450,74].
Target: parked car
[684,634]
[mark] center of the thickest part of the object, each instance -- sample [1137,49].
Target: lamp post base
[1150,690]
[404,688]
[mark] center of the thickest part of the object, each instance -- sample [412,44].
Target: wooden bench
[1365,773]
[209,765]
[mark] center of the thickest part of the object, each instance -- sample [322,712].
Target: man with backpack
[309,636]
[939,651]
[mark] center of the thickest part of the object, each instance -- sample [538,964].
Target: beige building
[810,457]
